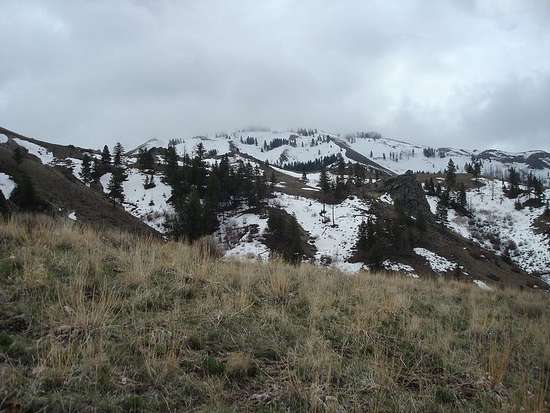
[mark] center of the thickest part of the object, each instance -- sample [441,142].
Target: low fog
[472,74]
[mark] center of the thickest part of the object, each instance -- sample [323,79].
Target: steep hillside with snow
[497,225]
[333,228]
[282,148]
[399,156]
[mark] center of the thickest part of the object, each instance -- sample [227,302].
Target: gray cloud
[471,73]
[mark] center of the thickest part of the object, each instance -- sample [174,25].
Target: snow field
[7,185]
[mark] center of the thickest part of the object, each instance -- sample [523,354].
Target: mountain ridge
[334,234]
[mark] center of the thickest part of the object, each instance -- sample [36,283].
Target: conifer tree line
[380,238]
[250,140]
[200,193]
[336,186]
[311,166]
[363,135]
[278,142]
[284,236]
[451,195]
[532,186]
[94,168]
[432,152]
[306,132]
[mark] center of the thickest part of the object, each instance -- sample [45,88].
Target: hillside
[490,244]
[109,321]
[54,177]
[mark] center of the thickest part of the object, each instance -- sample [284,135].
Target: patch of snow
[7,185]
[301,151]
[438,263]
[386,198]
[335,242]
[399,267]
[45,156]
[149,205]
[432,201]
[3,138]
[495,219]
[75,165]
[241,234]
[350,267]
[399,156]
[188,145]
[482,285]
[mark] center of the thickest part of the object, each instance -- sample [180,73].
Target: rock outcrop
[408,195]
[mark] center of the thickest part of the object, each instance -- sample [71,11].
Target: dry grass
[108,321]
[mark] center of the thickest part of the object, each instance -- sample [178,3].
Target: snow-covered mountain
[471,246]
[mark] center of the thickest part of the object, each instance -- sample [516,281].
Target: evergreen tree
[362,239]
[145,160]
[441,209]
[106,158]
[24,194]
[200,151]
[118,152]
[324,180]
[97,170]
[477,170]
[115,188]
[284,236]
[429,186]
[538,189]
[149,182]
[193,217]
[213,195]
[514,180]
[461,198]
[171,166]
[450,175]
[18,155]
[86,170]
[341,166]
[326,185]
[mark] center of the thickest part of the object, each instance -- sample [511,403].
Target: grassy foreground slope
[107,321]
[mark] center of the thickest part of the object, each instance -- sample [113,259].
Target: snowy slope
[149,144]
[45,156]
[496,223]
[241,234]
[335,242]
[7,185]
[188,145]
[302,151]
[408,156]
[150,205]
[393,154]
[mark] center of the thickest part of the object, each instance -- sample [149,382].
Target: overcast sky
[463,73]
